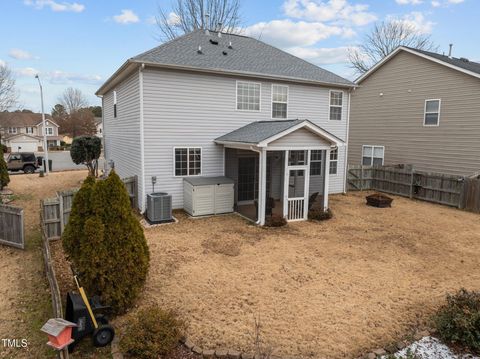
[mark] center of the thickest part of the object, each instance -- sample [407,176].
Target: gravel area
[334,289]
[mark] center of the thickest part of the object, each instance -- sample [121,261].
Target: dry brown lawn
[24,294]
[333,289]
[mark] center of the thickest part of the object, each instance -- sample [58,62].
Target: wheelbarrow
[86,313]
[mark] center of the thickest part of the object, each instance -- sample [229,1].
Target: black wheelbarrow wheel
[103,335]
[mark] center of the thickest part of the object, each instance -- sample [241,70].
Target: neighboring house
[209,104]
[23,131]
[420,108]
[99,126]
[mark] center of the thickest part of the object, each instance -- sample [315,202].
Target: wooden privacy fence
[11,226]
[56,211]
[450,190]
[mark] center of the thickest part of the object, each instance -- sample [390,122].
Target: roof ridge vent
[464,59]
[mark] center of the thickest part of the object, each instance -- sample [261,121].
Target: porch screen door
[297,177]
[247,179]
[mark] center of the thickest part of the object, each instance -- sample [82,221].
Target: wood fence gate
[11,226]
[450,190]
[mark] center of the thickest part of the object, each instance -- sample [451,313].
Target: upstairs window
[316,163]
[12,130]
[248,96]
[333,161]
[115,104]
[336,105]
[432,113]
[188,161]
[29,130]
[373,155]
[49,131]
[279,101]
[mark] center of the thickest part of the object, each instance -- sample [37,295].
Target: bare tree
[73,100]
[189,15]
[8,93]
[385,38]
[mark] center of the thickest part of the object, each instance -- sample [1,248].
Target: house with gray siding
[420,108]
[211,104]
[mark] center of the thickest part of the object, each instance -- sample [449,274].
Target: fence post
[361,177]
[462,197]
[60,205]
[412,174]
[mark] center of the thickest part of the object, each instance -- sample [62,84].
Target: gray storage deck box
[207,195]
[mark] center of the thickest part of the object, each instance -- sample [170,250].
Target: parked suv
[25,161]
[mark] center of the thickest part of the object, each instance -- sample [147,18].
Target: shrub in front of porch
[4,178]
[275,220]
[318,214]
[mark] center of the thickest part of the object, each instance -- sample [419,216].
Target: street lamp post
[45,144]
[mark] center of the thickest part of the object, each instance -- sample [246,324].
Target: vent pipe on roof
[206,24]
[199,51]
[220,29]
[230,45]
[450,51]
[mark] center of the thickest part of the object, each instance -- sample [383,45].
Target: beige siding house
[420,108]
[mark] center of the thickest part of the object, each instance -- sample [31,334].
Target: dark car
[25,161]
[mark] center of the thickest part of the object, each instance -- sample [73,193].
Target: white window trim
[330,161]
[29,130]
[13,131]
[271,102]
[260,96]
[330,104]
[425,111]
[188,167]
[373,151]
[46,132]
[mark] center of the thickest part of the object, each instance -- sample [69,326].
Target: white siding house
[163,113]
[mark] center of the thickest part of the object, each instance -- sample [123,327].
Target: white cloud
[436,3]
[2,63]
[332,10]
[417,21]
[287,33]
[409,2]
[321,56]
[19,54]
[62,77]
[126,17]
[173,19]
[26,71]
[445,3]
[455,1]
[56,6]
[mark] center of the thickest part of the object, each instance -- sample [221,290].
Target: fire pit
[379,200]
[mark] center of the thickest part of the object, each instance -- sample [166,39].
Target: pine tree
[113,259]
[82,209]
[4,177]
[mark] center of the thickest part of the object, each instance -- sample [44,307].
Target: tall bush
[82,208]
[4,177]
[113,255]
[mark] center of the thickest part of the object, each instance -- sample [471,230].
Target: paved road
[61,161]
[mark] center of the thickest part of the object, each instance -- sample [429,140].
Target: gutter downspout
[142,140]
[347,143]
[105,162]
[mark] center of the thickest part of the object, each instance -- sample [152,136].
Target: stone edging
[394,348]
[223,353]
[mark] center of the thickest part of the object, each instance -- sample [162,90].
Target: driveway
[61,161]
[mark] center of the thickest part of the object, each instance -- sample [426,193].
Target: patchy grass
[333,289]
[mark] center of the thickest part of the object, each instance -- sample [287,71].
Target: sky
[80,43]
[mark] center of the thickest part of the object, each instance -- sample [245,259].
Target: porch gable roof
[260,133]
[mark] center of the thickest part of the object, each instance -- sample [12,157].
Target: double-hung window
[373,155]
[279,101]
[12,130]
[248,96]
[336,105]
[431,116]
[316,163]
[333,161]
[29,130]
[188,161]
[49,131]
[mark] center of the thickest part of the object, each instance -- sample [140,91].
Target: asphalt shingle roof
[246,55]
[259,131]
[459,62]
[21,119]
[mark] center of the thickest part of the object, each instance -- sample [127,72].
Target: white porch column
[262,190]
[307,186]
[326,179]
[286,176]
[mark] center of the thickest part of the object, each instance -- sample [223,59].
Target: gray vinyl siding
[122,134]
[395,120]
[183,109]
